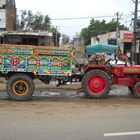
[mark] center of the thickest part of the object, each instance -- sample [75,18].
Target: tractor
[98,79]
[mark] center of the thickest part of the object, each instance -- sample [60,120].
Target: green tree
[38,21]
[56,35]
[65,39]
[46,22]
[21,20]
[97,27]
[29,21]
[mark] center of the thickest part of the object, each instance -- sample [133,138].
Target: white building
[2,3]
[123,39]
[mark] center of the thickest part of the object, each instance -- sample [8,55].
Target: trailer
[21,64]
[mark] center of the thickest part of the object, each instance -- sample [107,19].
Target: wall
[2,3]
[103,39]
[7,15]
[2,18]
[124,36]
[11,18]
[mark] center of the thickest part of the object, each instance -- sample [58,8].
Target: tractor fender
[93,67]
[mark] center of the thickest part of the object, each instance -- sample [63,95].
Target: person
[92,59]
[121,56]
[96,59]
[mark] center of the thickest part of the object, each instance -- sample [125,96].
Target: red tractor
[98,79]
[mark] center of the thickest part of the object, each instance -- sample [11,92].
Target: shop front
[127,43]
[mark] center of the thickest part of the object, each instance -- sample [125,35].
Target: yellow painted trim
[26,88]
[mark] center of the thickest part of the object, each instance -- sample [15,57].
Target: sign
[128,36]
[2,19]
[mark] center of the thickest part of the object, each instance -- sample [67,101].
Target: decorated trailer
[21,64]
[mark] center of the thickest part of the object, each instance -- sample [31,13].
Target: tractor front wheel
[137,90]
[96,84]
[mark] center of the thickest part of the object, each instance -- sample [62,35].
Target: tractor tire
[96,84]
[20,87]
[137,90]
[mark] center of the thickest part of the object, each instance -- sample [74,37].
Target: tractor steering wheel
[108,62]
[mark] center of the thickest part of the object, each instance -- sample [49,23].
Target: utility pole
[135,26]
[135,15]
[117,29]
[56,36]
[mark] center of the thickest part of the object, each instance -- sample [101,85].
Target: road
[65,116]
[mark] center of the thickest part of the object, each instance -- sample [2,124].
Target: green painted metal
[39,60]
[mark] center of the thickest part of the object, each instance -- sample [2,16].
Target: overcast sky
[77,8]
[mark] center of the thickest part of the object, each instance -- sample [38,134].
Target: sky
[57,9]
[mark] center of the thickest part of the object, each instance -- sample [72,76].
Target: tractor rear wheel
[137,90]
[96,84]
[20,87]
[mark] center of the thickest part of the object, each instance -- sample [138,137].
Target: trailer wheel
[137,90]
[96,84]
[20,87]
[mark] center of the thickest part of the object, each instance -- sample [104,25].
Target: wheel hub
[96,84]
[20,88]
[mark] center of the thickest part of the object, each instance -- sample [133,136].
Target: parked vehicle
[21,64]
[98,79]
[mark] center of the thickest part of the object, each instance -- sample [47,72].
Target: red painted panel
[124,81]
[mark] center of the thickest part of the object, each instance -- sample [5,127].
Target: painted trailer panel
[40,60]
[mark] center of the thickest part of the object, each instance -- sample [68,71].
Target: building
[124,39]
[7,15]
[9,35]
[78,44]
[38,38]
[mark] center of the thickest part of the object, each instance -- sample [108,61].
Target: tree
[29,21]
[38,21]
[56,35]
[21,20]
[97,27]
[65,39]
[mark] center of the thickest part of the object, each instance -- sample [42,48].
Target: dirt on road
[52,100]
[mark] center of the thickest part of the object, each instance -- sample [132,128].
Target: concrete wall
[10,18]
[2,18]
[2,3]
[104,38]
[8,9]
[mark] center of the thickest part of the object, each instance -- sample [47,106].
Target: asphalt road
[70,127]
[70,118]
